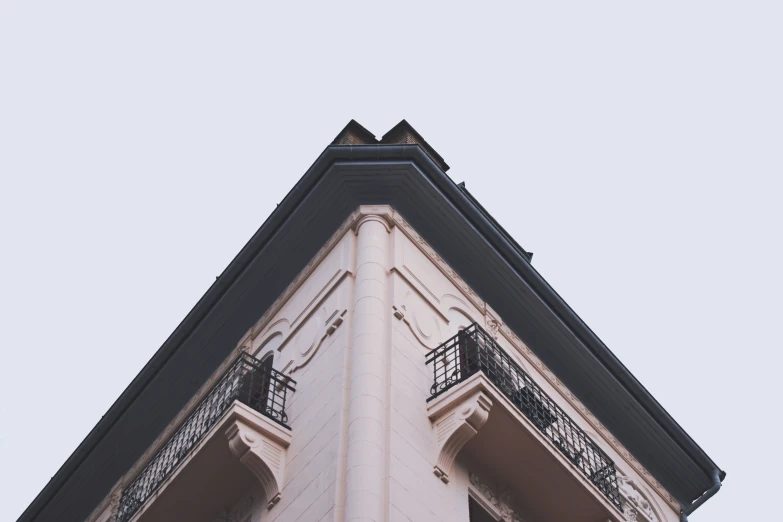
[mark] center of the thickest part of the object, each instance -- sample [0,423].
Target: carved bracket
[456,423]
[261,447]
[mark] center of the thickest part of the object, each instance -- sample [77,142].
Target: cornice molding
[382,214]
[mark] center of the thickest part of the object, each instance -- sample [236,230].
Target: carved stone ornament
[494,327]
[502,502]
[114,501]
[456,425]
[314,333]
[635,504]
[422,321]
[260,447]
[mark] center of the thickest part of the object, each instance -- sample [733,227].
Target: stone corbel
[456,423]
[261,447]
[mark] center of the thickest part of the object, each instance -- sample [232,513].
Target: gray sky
[637,152]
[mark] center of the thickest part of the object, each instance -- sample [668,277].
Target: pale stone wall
[353,330]
[416,494]
[308,337]
[430,308]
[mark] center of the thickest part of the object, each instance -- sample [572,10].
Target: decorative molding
[493,325]
[409,313]
[260,445]
[502,504]
[636,505]
[306,271]
[456,422]
[299,340]
[382,214]
[439,262]
[306,345]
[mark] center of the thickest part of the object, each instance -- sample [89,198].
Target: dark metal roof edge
[169,347]
[488,217]
[495,235]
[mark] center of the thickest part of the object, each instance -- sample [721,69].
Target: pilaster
[366,456]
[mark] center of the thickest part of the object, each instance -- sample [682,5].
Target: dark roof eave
[170,345]
[493,234]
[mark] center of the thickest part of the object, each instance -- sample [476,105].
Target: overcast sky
[635,149]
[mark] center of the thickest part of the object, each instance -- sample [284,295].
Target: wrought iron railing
[473,350]
[247,381]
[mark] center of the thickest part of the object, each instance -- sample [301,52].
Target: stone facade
[354,329]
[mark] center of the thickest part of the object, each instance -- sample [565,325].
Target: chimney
[404,134]
[401,134]
[354,134]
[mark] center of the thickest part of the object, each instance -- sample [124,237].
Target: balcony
[473,376]
[245,399]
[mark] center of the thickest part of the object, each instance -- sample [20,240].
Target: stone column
[365,480]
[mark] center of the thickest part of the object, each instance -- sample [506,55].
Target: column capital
[383,214]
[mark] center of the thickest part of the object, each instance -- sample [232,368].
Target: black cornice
[342,178]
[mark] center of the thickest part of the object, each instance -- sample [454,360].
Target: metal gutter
[686,511]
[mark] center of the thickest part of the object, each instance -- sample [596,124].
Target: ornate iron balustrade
[473,350]
[247,381]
